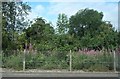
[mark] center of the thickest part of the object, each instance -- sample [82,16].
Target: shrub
[60,60]
[98,67]
[14,62]
[77,61]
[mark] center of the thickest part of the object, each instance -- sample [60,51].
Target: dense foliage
[83,30]
[51,60]
[13,23]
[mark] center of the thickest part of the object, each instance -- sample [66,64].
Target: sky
[49,10]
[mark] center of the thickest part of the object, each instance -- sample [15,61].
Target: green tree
[87,25]
[13,22]
[62,23]
[41,34]
[85,20]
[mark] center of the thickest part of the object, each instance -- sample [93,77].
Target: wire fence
[89,61]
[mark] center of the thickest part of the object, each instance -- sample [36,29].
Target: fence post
[70,61]
[24,60]
[114,61]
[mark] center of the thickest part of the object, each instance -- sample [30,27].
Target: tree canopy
[85,29]
[13,22]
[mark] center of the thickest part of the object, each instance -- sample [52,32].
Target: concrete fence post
[114,61]
[70,61]
[24,60]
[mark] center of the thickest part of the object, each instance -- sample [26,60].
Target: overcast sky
[50,9]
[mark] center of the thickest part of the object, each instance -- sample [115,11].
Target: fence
[63,61]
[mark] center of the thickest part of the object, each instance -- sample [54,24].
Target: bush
[77,61]
[60,60]
[14,62]
[35,61]
[86,62]
[49,66]
[98,67]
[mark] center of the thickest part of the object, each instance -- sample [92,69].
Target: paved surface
[60,75]
[60,78]
[14,75]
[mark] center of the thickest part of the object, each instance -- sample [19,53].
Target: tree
[85,20]
[118,38]
[13,22]
[87,25]
[109,36]
[41,34]
[62,23]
